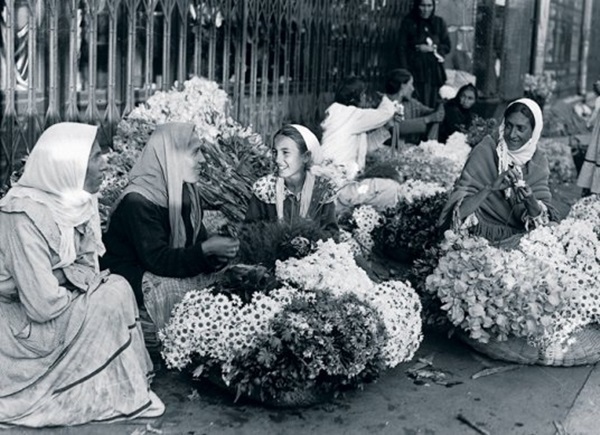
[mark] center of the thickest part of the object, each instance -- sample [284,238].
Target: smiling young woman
[295,192]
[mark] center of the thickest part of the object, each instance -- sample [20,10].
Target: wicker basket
[585,349]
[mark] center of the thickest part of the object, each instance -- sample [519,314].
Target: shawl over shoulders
[499,217]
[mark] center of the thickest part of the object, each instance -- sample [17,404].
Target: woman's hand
[523,192]
[437,116]
[505,180]
[525,195]
[221,247]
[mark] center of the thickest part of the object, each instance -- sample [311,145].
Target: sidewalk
[526,400]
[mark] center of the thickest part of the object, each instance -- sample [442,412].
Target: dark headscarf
[416,13]
[462,90]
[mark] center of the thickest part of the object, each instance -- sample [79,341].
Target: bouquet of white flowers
[542,291]
[324,328]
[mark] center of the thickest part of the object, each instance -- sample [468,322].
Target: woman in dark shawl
[503,189]
[155,237]
[423,43]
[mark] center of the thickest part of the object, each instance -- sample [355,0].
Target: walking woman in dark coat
[424,42]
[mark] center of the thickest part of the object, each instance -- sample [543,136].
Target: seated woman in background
[417,122]
[295,192]
[71,346]
[503,188]
[155,234]
[345,140]
[458,112]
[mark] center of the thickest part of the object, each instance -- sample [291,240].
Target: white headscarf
[521,156]
[54,176]
[312,145]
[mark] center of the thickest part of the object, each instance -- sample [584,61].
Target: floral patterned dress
[322,207]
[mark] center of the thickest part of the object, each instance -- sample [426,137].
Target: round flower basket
[584,348]
[320,328]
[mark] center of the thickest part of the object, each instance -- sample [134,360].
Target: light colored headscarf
[54,176]
[312,145]
[521,156]
[158,177]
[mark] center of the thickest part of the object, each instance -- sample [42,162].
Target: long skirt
[99,372]
[589,176]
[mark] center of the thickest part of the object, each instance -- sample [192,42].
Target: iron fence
[94,60]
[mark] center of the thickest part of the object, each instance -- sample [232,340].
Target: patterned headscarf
[54,176]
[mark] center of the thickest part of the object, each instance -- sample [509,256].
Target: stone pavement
[525,400]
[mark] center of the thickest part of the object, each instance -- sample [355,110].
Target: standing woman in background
[424,42]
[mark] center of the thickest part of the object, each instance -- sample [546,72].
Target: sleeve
[421,109]
[31,268]
[450,123]
[150,236]
[538,174]
[594,116]
[370,119]
[411,126]
[328,220]
[445,45]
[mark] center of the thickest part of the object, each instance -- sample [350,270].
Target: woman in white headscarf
[503,188]
[155,236]
[296,192]
[71,347]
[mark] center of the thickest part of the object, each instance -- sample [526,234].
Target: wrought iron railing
[94,60]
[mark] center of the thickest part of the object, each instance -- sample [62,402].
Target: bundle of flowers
[480,128]
[362,222]
[411,228]
[539,87]
[429,162]
[266,242]
[324,328]
[543,291]
[588,209]
[560,159]
[235,155]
